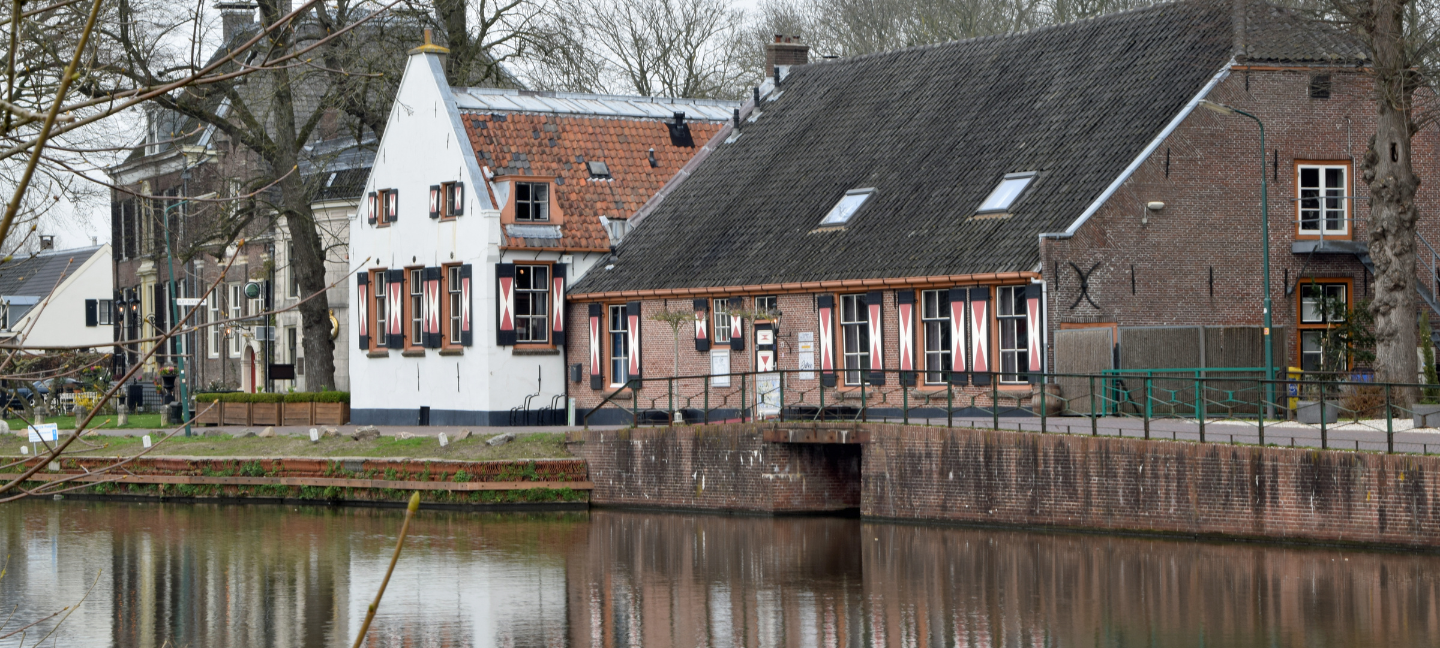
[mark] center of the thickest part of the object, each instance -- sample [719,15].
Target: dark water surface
[233,576]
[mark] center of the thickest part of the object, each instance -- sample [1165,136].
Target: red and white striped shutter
[980,334]
[435,200]
[467,336]
[905,327]
[557,304]
[702,325]
[373,205]
[632,330]
[433,331]
[395,308]
[457,203]
[505,302]
[737,325]
[392,207]
[596,380]
[873,303]
[825,304]
[1034,316]
[362,295]
[958,297]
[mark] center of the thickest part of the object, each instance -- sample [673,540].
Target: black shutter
[737,333]
[434,328]
[467,320]
[457,202]
[395,338]
[874,301]
[633,319]
[955,300]
[702,325]
[160,310]
[374,202]
[595,325]
[906,298]
[92,307]
[505,304]
[362,293]
[557,303]
[436,200]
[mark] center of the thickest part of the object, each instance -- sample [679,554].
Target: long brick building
[952,214]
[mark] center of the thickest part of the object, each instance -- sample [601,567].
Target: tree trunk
[1387,170]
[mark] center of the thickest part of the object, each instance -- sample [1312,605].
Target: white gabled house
[482,203]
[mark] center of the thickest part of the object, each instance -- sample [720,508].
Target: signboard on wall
[720,368]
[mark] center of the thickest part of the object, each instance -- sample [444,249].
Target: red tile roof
[559,145]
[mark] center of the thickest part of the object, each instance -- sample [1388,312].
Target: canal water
[183,575]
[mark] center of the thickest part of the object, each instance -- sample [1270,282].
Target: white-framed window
[237,311]
[532,303]
[854,337]
[292,345]
[1323,199]
[720,313]
[452,288]
[846,207]
[105,312]
[1010,318]
[619,328]
[1322,305]
[935,326]
[417,305]
[212,309]
[1313,298]
[532,202]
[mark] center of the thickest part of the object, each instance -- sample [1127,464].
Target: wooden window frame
[1349,208]
[547,202]
[720,307]
[235,307]
[447,210]
[1302,327]
[1019,376]
[610,345]
[379,317]
[923,333]
[407,307]
[382,218]
[768,311]
[840,324]
[549,342]
[447,287]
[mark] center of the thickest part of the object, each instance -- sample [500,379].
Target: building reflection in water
[286,576]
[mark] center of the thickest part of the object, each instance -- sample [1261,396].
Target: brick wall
[1207,175]
[718,467]
[1007,478]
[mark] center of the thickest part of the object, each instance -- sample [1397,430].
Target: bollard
[1146,409]
[995,401]
[1389,424]
[1094,427]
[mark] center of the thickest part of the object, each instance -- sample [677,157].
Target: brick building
[946,213]
[507,195]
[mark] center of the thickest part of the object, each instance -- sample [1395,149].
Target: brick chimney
[234,18]
[784,52]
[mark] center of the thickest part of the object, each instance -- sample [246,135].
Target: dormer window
[1005,195]
[532,202]
[598,170]
[841,213]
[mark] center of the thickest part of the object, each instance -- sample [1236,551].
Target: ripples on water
[232,576]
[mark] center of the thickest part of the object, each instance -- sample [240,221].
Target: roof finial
[429,47]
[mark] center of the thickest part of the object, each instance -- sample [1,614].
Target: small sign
[314,435]
[189,301]
[807,365]
[282,372]
[806,336]
[720,368]
[146,440]
[806,346]
[44,432]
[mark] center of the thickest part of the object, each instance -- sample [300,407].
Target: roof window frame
[1027,176]
[864,193]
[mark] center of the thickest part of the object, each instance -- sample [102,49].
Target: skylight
[1011,186]
[598,170]
[849,203]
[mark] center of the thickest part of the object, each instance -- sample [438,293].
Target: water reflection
[281,576]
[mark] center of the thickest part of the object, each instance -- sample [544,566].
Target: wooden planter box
[331,413]
[235,413]
[205,414]
[265,413]
[298,413]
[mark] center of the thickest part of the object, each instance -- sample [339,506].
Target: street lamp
[1264,247]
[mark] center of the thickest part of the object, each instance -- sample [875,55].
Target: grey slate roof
[933,130]
[38,275]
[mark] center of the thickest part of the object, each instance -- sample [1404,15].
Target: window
[213,306]
[237,310]
[720,309]
[1005,195]
[294,276]
[389,206]
[378,292]
[292,346]
[532,301]
[532,202]
[766,306]
[598,170]
[849,204]
[105,312]
[1323,209]
[935,326]
[1014,334]
[1322,306]
[452,285]
[854,337]
[619,346]
[417,306]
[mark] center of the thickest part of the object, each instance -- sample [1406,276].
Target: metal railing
[1179,405]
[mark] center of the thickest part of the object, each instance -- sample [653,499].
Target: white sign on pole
[720,368]
[44,432]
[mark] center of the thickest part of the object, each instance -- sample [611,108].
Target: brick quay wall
[1016,479]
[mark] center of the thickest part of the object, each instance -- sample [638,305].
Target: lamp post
[1264,249]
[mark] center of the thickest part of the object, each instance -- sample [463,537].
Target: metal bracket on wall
[1084,284]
